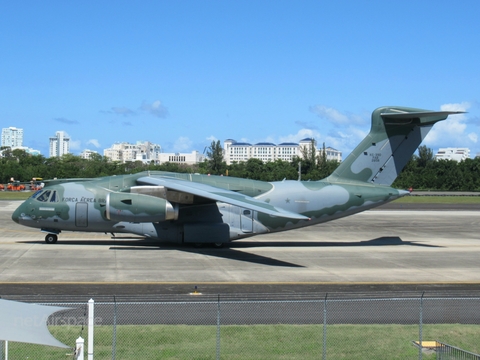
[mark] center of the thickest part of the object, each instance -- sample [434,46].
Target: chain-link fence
[266,327]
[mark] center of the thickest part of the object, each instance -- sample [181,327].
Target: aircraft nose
[18,213]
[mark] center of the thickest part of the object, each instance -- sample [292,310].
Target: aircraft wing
[217,194]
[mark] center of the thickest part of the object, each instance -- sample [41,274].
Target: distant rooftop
[241,144]
[235,143]
[265,144]
[288,144]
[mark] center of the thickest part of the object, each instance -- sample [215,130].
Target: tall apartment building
[457,154]
[240,151]
[59,144]
[12,137]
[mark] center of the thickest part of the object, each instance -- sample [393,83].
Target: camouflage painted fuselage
[82,206]
[191,208]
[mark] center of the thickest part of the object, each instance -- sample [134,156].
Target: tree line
[422,172]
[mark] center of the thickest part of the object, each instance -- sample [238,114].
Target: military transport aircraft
[192,208]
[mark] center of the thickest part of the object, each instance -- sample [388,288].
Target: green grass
[439,200]
[255,342]
[15,195]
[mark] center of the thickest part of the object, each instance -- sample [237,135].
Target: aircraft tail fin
[395,135]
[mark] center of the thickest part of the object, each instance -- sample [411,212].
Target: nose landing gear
[51,238]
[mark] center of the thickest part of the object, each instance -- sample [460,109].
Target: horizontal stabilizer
[435,116]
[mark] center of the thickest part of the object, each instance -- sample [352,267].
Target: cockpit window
[53,198]
[36,194]
[46,195]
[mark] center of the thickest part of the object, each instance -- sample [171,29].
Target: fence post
[79,348]
[114,340]
[90,329]
[324,354]
[218,327]
[420,329]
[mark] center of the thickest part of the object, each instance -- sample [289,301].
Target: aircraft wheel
[218,245]
[51,238]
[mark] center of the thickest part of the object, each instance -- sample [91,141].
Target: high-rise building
[12,137]
[59,144]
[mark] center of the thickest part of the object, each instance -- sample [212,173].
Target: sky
[182,74]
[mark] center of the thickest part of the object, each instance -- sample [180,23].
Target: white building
[188,159]
[240,151]
[457,154]
[86,154]
[12,137]
[147,152]
[141,151]
[59,144]
[333,154]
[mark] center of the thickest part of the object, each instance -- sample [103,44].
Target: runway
[387,249]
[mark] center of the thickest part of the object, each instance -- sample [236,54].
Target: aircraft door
[81,214]
[246,220]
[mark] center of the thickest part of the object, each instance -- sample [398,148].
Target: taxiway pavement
[403,248]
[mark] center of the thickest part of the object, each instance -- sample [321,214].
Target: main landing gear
[212,245]
[51,238]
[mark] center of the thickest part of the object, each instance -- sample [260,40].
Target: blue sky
[184,73]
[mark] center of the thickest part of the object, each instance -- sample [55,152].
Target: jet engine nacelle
[140,208]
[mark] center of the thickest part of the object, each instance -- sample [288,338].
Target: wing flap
[217,194]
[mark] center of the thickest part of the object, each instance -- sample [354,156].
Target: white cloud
[301,134]
[452,132]
[336,117]
[66,121]
[156,109]
[269,139]
[121,110]
[464,106]
[75,144]
[94,142]
[211,138]
[345,140]
[473,137]
[182,144]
